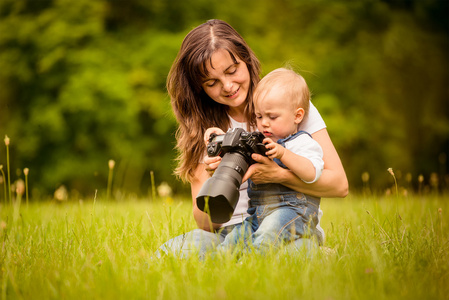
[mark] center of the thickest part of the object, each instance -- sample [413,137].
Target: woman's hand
[211,130]
[264,171]
[211,164]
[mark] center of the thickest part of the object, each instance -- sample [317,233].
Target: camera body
[220,193]
[236,140]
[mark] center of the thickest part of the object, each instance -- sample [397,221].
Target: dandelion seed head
[164,190]
[26,171]
[111,164]
[61,193]
[390,170]
[365,177]
[434,180]
[20,187]
[420,178]
[6,140]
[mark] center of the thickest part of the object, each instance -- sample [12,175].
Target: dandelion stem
[153,187]
[25,171]
[95,201]
[8,167]
[111,171]
[26,188]
[390,170]
[396,185]
[4,183]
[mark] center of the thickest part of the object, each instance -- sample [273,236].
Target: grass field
[376,248]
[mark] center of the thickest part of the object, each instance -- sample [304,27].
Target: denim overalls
[279,213]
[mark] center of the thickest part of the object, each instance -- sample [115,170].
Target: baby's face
[276,116]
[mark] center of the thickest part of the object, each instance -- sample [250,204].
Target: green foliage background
[82,82]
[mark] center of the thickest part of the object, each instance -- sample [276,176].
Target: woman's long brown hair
[195,111]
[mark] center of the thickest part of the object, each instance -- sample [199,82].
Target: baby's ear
[299,115]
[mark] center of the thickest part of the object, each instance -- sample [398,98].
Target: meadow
[377,247]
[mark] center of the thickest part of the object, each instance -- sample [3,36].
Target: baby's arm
[300,165]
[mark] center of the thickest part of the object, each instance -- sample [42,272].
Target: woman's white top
[313,123]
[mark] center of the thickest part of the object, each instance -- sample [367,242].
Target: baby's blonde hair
[291,83]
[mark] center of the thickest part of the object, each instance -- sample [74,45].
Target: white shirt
[307,147]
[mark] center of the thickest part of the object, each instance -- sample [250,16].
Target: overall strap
[291,137]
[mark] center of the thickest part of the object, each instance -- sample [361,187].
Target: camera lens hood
[219,194]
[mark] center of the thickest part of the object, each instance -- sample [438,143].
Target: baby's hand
[211,130]
[274,149]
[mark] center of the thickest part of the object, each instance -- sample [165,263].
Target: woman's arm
[202,219]
[332,183]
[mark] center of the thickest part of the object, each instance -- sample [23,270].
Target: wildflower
[394,177]
[26,171]
[6,140]
[391,171]
[434,180]
[61,193]
[164,190]
[420,178]
[111,164]
[365,177]
[20,187]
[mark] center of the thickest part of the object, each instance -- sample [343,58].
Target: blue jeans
[199,242]
[294,218]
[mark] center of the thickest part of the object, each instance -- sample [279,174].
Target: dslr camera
[220,193]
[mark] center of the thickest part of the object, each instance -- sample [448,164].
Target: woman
[211,84]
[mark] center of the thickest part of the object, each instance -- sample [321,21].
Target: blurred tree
[84,82]
[76,96]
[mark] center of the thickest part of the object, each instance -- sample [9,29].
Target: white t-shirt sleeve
[307,147]
[314,122]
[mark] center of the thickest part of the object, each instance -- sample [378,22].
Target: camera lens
[221,191]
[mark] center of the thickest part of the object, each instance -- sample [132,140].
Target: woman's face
[228,81]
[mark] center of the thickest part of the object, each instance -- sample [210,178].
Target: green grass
[376,248]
